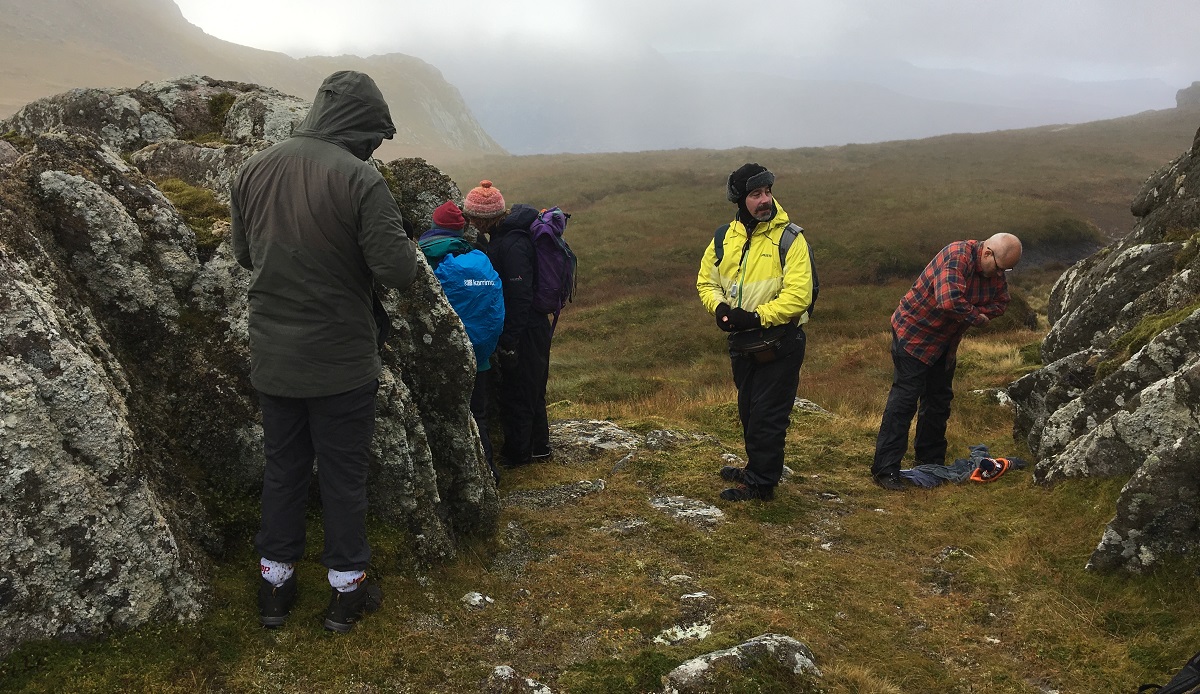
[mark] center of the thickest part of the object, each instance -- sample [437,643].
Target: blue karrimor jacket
[473,290]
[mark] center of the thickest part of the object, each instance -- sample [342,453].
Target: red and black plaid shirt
[950,296]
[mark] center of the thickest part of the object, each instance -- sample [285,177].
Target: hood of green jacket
[349,111]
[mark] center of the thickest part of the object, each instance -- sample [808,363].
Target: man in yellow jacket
[757,278]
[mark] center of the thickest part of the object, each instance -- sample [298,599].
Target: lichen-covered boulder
[211,166]
[87,541]
[263,115]
[95,264]
[130,443]
[424,188]
[782,660]
[129,119]
[1120,396]
[1158,512]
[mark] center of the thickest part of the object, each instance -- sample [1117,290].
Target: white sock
[346,581]
[275,572]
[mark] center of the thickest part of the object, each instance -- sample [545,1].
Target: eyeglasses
[997,262]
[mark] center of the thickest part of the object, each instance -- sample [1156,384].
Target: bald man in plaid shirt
[964,285]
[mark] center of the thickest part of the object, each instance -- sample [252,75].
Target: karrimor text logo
[479,283]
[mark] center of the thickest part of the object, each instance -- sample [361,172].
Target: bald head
[1006,248]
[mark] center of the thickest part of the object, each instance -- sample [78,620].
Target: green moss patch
[1141,335]
[199,207]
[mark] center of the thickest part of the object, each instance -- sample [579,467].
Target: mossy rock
[199,208]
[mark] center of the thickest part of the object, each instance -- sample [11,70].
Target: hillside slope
[54,45]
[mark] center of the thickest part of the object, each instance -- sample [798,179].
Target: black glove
[723,317]
[507,357]
[741,319]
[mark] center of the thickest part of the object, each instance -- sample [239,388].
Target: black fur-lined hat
[746,179]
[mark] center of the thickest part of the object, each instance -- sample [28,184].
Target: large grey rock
[715,672]
[425,186]
[1158,512]
[86,540]
[1120,395]
[129,119]
[263,115]
[129,432]
[211,166]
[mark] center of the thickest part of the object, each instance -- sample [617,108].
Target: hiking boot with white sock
[275,602]
[347,608]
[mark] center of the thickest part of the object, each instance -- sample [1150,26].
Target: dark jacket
[511,252]
[315,223]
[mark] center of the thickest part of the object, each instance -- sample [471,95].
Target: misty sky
[1076,39]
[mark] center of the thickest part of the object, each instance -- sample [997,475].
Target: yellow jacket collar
[776,223]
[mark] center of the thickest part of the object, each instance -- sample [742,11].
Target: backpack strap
[1186,680]
[790,232]
[719,242]
[785,244]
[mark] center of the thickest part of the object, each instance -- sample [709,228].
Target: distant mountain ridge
[643,99]
[50,46]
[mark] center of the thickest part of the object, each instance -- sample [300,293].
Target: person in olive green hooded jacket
[316,225]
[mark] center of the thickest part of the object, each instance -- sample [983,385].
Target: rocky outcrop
[1188,96]
[1120,392]
[428,187]
[130,448]
[789,663]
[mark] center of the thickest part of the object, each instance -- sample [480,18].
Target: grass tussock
[969,588]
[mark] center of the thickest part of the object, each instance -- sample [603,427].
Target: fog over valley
[590,76]
[535,76]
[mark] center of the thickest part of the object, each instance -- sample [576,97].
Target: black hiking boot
[347,608]
[737,475]
[892,482]
[275,604]
[746,492]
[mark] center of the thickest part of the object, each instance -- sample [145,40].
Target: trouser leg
[522,398]
[539,434]
[908,385]
[766,395]
[516,411]
[342,427]
[479,411]
[929,442]
[288,451]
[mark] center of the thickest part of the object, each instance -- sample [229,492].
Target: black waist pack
[761,343]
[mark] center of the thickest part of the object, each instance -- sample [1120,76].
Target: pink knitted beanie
[484,202]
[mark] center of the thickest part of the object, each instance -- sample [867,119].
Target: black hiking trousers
[522,395]
[766,396]
[479,411]
[336,432]
[920,389]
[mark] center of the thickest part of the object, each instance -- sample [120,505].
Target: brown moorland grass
[957,589]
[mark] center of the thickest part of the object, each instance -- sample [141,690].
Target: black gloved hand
[741,319]
[723,317]
[508,358]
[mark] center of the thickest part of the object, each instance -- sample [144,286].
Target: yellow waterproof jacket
[755,280]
